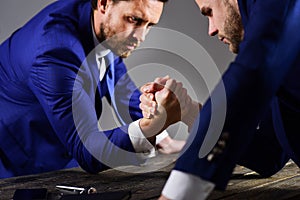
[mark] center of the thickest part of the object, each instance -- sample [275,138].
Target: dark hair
[94,2]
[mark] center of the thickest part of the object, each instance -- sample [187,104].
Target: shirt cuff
[182,186]
[140,143]
[161,136]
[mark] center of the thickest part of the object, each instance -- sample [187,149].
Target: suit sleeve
[72,115]
[266,55]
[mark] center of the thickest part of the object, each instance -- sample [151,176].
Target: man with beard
[54,72]
[261,128]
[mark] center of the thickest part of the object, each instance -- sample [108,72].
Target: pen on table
[75,190]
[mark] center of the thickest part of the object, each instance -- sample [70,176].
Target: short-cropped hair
[94,2]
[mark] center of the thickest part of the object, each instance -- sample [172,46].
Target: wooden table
[244,184]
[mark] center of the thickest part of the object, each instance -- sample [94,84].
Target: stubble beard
[110,41]
[233,28]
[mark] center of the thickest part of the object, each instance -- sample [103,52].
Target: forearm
[152,127]
[190,116]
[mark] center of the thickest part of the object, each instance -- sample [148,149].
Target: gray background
[179,15]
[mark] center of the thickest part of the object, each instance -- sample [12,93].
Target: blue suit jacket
[47,96]
[262,87]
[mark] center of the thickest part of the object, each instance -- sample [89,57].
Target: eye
[133,19]
[206,11]
[150,25]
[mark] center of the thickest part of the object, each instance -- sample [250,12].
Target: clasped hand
[168,100]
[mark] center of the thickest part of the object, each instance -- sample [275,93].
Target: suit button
[210,157]
[219,147]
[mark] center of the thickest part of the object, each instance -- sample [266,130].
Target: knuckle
[141,97]
[141,106]
[180,85]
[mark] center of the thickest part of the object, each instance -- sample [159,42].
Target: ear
[102,5]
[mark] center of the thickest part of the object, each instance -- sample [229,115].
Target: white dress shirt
[184,186]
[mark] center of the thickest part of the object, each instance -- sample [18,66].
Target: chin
[233,49]
[126,54]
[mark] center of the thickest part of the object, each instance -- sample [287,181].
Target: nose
[212,29]
[140,33]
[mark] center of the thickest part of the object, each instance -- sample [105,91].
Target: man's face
[123,25]
[224,21]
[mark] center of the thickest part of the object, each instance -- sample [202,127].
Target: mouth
[224,40]
[131,46]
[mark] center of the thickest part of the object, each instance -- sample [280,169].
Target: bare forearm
[152,127]
[190,117]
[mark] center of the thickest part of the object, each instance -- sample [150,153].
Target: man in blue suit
[54,72]
[261,126]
